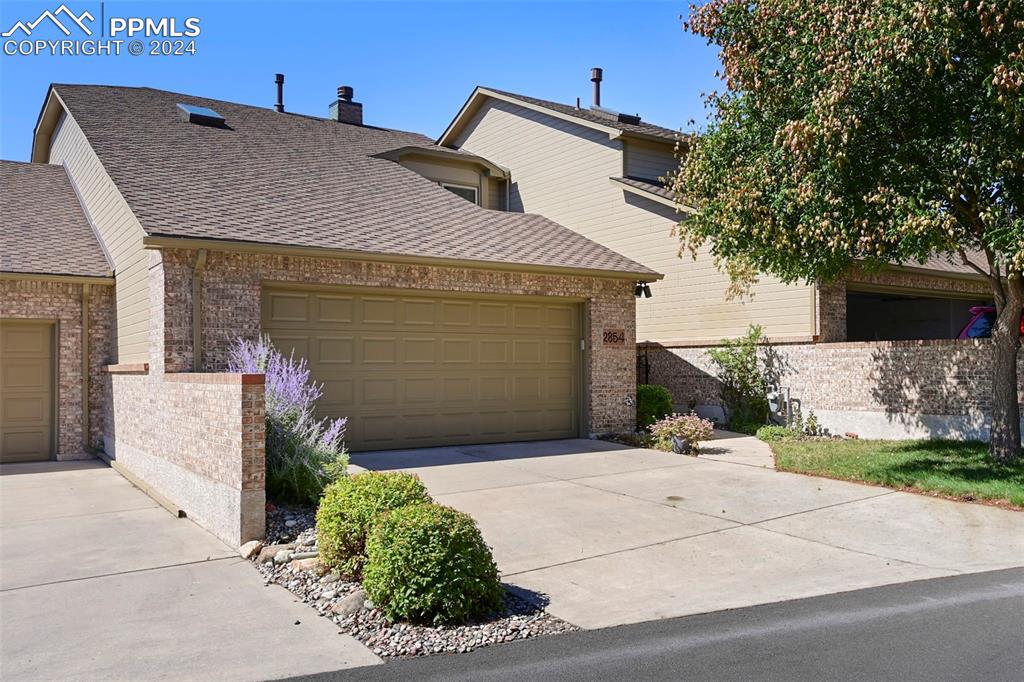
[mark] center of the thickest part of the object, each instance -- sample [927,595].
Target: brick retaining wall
[883,389]
[198,440]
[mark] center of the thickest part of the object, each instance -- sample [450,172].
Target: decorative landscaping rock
[350,604]
[270,551]
[283,556]
[249,549]
[304,555]
[307,564]
[345,603]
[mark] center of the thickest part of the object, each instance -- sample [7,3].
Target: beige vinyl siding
[496,194]
[466,175]
[561,170]
[651,160]
[120,232]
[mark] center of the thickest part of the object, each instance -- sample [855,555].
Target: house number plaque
[615,337]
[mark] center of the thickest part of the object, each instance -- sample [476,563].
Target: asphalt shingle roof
[648,186]
[641,128]
[297,180]
[43,229]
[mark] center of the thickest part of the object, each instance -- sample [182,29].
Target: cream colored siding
[456,174]
[649,160]
[496,194]
[561,170]
[121,234]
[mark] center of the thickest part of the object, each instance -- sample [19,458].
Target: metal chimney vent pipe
[596,76]
[346,93]
[279,79]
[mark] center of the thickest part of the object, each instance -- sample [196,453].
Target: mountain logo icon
[77,20]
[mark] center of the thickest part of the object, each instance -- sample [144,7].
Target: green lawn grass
[960,470]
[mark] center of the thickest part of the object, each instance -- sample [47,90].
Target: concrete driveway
[97,582]
[619,535]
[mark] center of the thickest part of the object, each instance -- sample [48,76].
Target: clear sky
[412,64]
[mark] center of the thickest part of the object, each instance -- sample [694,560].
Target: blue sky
[412,64]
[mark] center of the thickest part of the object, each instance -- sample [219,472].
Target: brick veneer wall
[62,302]
[889,389]
[197,440]
[231,289]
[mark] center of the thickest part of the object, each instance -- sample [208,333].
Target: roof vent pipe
[279,79]
[596,75]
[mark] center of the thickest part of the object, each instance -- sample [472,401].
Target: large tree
[856,133]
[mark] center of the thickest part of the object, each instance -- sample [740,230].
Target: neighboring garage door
[410,369]
[26,391]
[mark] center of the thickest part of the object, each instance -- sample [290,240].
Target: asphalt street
[968,627]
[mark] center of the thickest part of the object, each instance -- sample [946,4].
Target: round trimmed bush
[352,505]
[653,402]
[429,564]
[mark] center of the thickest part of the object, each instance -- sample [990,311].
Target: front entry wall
[232,286]
[412,369]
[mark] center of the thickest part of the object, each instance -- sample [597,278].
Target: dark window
[892,317]
[464,191]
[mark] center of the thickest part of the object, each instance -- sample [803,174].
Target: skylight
[200,115]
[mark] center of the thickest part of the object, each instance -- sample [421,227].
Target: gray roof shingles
[288,179]
[43,229]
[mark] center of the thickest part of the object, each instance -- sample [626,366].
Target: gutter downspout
[508,192]
[197,311]
[85,367]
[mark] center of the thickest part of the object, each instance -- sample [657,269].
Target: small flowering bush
[689,427]
[304,454]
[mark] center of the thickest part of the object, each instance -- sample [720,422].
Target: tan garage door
[26,391]
[412,370]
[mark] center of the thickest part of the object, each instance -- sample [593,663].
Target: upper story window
[467,192]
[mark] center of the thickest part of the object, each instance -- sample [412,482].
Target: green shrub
[652,403]
[744,387]
[429,564]
[352,505]
[770,434]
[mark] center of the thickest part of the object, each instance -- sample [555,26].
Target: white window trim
[476,190]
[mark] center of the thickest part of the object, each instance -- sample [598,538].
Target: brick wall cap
[128,368]
[216,378]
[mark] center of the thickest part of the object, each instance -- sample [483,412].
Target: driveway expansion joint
[147,569]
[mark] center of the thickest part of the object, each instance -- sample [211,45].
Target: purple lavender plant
[303,454]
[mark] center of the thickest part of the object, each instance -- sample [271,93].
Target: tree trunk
[1004,445]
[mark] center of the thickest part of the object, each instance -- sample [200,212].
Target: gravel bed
[521,619]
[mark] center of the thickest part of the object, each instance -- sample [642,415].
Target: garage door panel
[420,389]
[411,370]
[380,350]
[335,350]
[379,310]
[457,352]
[493,315]
[420,351]
[21,409]
[527,316]
[335,309]
[419,313]
[287,307]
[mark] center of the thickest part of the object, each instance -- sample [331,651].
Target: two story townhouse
[872,354]
[152,230]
